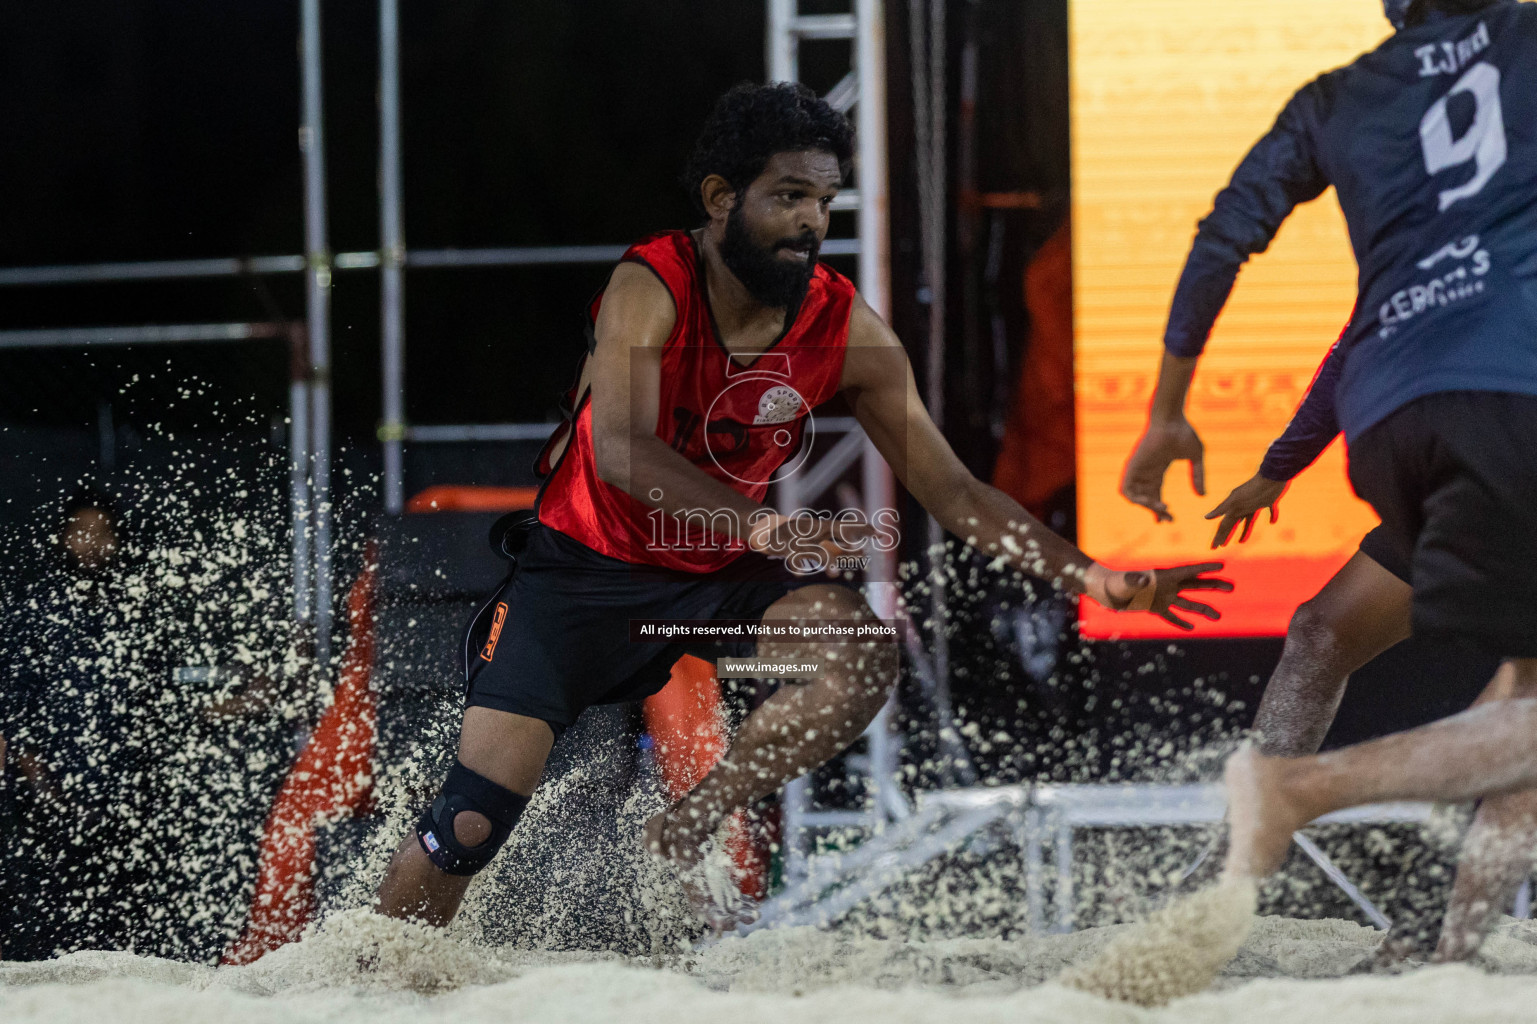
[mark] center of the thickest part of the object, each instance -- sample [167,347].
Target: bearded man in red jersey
[708,352]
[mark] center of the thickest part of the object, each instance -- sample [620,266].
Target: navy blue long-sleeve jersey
[1313,426]
[1431,144]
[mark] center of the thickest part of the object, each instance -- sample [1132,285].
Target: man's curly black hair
[1419,10]
[753,122]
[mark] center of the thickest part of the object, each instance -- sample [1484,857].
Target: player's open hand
[1244,505]
[1163,444]
[1162,591]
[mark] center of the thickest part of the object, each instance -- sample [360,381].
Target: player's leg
[1497,853]
[1361,612]
[501,756]
[1486,750]
[801,726]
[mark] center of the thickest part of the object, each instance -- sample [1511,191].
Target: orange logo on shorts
[489,651]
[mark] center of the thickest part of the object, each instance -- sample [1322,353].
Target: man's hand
[1165,441]
[1162,443]
[1243,505]
[808,543]
[1157,590]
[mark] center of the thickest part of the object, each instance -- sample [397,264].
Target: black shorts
[1380,547]
[564,643]
[1454,477]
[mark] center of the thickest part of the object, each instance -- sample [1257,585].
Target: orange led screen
[1167,97]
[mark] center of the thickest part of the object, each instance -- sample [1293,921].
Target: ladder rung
[848,199]
[823,26]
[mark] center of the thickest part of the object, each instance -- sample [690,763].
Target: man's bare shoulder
[637,308]
[875,353]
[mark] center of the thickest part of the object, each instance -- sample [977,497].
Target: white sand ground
[1286,971]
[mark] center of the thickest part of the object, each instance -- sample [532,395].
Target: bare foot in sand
[1262,814]
[681,842]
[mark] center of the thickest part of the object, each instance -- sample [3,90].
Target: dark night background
[161,130]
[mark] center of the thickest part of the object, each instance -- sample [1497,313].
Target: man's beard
[770,280]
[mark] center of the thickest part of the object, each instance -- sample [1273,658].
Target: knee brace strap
[465,790]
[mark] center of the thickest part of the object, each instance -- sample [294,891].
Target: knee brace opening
[465,790]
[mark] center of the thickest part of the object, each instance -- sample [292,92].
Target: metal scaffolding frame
[1034,817]
[309,387]
[862,89]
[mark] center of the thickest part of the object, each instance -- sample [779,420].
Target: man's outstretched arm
[878,380]
[1313,427]
[1277,175]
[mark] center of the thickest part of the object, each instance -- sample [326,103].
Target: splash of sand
[1176,952]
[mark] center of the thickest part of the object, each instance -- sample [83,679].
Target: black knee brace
[464,790]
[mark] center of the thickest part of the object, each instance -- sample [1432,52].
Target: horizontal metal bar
[1090,805]
[104,272]
[848,199]
[449,433]
[555,255]
[241,266]
[152,334]
[823,26]
[514,256]
[355,260]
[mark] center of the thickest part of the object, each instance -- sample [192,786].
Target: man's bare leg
[1361,612]
[1497,853]
[1486,750]
[798,728]
[508,749]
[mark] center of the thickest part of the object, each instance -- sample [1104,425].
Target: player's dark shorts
[564,641]
[1454,478]
[1380,546]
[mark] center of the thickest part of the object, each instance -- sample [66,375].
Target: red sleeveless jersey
[743,423]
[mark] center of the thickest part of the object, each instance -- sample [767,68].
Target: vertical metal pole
[299,473]
[1035,886]
[928,49]
[392,258]
[782,43]
[874,222]
[879,495]
[318,297]
[795,798]
[1066,912]
[874,230]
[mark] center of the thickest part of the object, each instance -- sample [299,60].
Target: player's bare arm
[878,380]
[1169,437]
[635,321]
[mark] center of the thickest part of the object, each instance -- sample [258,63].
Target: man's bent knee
[1311,634]
[463,845]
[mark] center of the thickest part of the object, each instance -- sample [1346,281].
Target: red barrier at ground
[332,779]
[689,733]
